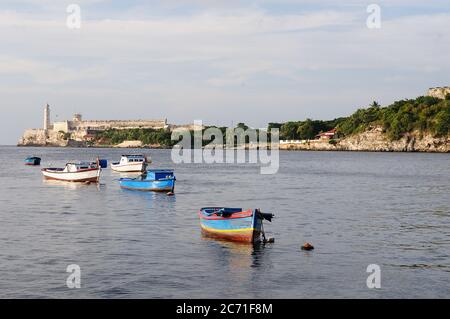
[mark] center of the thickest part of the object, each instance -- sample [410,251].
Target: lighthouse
[47,117]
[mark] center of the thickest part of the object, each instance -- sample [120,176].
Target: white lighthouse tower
[47,117]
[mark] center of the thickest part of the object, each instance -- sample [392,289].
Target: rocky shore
[375,140]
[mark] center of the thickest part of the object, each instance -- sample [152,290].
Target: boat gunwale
[133,156]
[54,170]
[243,214]
[117,164]
[128,179]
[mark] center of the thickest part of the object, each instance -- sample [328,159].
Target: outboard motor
[103,163]
[266,216]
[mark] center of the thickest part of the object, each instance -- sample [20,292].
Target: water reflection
[235,256]
[125,174]
[71,185]
[150,199]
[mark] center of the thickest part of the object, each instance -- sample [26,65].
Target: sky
[222,62]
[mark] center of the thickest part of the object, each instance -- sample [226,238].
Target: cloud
[44,73]
[218,41]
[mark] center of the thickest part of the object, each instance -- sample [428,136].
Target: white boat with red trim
[131,163]
[75,172]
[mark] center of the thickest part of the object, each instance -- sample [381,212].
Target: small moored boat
[76,172]
[131,163]
[233,223]
[33,161]
[156,180]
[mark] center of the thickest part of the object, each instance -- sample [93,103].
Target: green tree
[242,126]
[442,124]
[375,104]
[289,130]
[306,130]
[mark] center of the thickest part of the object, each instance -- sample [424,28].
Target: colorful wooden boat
[76,172]
[156,180]
[131,163]
[233,223]
[33,161]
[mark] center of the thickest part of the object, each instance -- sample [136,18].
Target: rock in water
[307,246]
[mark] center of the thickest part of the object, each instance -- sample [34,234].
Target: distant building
[77,117]
[78,125]
[62,132]
[89,137]
[47,124]
[439,92]
[327,135]
[293,141]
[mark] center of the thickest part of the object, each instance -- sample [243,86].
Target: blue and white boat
[33,161]
[156,180]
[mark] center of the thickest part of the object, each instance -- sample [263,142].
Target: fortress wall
[190,127]
[439,92]
[102,125]
[61,126]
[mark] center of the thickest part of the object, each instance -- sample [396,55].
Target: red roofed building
[326,135]
[89,137]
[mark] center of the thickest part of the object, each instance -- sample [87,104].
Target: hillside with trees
[424,114]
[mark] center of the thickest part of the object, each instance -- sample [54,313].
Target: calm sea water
[390,209]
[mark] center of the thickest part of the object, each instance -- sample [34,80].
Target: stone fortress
[78,131]
[439,92]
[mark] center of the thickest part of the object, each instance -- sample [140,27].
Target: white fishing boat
[131,163]
[75,172]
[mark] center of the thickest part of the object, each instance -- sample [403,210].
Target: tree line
[424,114]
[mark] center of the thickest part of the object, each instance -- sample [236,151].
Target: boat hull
[129,168]
[163,185]
[243,236]
[91,175]
[243,227]
[33,161]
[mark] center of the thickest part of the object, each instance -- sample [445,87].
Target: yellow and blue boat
[233,224]
[156,180]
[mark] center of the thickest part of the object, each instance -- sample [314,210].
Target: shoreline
[372,140]
[247,149]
